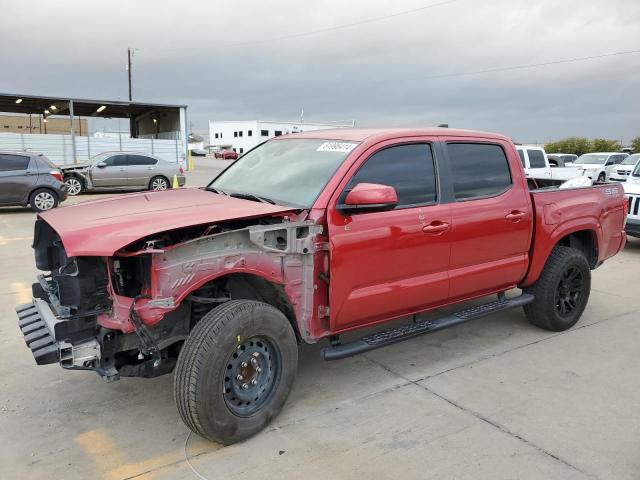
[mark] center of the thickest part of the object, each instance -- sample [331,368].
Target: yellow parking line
[5,240]
[21,292]
[110,460]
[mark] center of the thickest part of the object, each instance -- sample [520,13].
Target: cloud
[218,58]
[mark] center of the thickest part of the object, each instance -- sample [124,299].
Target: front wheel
[562,291]
[602,178]
[158,184]
[74,185]
[43,199]
[235,370]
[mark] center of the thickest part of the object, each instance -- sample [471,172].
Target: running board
[405,332]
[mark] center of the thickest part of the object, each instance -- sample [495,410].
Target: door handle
[122,169]
[150,168]
[28,172]
[515,216]
[435,228]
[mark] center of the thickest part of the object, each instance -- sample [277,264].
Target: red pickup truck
[304,238]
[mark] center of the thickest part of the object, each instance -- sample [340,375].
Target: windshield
[636,171]
[592,159]
[631,159]
[289,172]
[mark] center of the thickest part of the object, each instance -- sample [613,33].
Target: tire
[559,301]
[217,359]
[602,178]
[74,185]
[158,184]
[43,199]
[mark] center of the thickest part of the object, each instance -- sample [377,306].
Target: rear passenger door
[140,169]
[18,174]
[538,167]
[387,264]
[491,218]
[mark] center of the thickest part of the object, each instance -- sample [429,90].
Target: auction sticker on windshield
[344,147]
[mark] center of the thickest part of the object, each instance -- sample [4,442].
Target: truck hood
[102,227]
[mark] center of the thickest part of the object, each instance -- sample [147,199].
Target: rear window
[478,170]
[9,162]
[521,155]
[46,162]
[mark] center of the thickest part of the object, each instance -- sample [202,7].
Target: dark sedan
[30,179]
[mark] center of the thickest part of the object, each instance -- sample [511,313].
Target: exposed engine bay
[128,315]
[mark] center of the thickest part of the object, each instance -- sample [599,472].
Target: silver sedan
[122,171]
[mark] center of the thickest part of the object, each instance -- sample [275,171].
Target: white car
[632,191]
[624,169]
[598,166]
[536,165]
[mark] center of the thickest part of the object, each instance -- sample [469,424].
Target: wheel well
[585,242]
[74,175]
[245,286]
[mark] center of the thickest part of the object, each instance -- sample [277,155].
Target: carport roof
[35,104]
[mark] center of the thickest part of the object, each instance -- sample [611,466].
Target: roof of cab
[379,134]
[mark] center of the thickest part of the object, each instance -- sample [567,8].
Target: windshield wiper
[251,196]
[214,190]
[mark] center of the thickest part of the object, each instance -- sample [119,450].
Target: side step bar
[405,332]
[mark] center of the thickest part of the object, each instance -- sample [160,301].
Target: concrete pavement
[495,398]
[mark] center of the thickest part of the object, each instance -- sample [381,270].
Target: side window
[536,159]
[407,168]
[141,160]
[478,169]
[10,163]
[264,133]
[521,155]
[116,161]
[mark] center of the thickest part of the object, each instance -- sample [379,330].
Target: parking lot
[495,398]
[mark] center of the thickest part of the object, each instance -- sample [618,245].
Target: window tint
[407,168]
[141,160]
[478,169]
[521,155]
[536,159]
[116,161]
[10,163]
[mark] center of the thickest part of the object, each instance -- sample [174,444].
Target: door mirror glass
[370,197]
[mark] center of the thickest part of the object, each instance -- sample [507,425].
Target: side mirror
[101,165]
[369,197]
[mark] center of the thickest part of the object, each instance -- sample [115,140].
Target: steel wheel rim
[569,291]
[44,201]
[251,376]
[159,184]
[73,186]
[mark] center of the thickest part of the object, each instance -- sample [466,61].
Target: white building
[241,136]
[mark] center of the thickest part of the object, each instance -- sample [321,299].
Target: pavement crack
[486,420]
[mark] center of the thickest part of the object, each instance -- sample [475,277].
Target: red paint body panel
[102,227]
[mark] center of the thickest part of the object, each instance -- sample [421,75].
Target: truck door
[538,164]
[18,173]
[391,263]
[491,217]
[111,172]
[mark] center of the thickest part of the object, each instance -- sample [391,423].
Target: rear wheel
[158,184]
[235,370]
[43,199]
[74,185]
[562,291]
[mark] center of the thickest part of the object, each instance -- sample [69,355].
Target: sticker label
[343,147]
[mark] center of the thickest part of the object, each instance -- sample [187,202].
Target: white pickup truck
[536,166]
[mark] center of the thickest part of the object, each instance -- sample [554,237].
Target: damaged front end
[128,314]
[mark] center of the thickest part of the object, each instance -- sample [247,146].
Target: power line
[530,65]
[338,27]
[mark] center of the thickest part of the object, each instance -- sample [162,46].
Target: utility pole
[129,71]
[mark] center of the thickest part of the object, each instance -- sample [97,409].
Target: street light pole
[129,70]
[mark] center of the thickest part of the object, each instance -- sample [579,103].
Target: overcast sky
[224,60]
